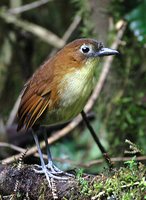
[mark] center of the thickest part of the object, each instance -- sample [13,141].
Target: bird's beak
[106,52]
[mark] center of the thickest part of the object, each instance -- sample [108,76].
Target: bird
[58,91]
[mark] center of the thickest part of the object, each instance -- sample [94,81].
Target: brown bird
[59,90]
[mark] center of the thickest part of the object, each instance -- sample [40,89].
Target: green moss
[126,183]
[84,185]
[18,195]
[42,190]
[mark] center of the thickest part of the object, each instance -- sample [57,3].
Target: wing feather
[36,113]
[26,106]
[34,101]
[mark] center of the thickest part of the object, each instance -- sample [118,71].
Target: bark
[27,183]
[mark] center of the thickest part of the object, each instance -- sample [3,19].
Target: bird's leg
[55,170]
[50,164]
[43,169]
[96,139]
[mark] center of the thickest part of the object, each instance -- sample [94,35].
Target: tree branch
[42,33]
[27,7]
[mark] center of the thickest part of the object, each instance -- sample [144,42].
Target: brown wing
[36,96]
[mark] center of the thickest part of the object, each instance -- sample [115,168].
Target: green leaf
[137,20]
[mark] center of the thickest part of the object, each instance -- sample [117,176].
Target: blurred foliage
[83,9]
[137,19]
[124,108]
[121,108]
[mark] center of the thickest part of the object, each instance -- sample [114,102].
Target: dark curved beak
[106,52]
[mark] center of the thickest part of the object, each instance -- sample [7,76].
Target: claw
[56,170]
[53,174]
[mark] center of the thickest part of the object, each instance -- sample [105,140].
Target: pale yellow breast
[75,89]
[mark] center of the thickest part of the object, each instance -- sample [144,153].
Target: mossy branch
[23,183]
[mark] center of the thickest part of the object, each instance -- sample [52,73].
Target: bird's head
[80,51]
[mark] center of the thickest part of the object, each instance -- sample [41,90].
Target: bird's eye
[85,49]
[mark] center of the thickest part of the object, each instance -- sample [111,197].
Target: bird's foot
[56,171]
[53,172]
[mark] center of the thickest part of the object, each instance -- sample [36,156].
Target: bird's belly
[73,93]
[74,100]
[71,104]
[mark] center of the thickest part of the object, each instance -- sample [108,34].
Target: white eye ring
[85,49]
